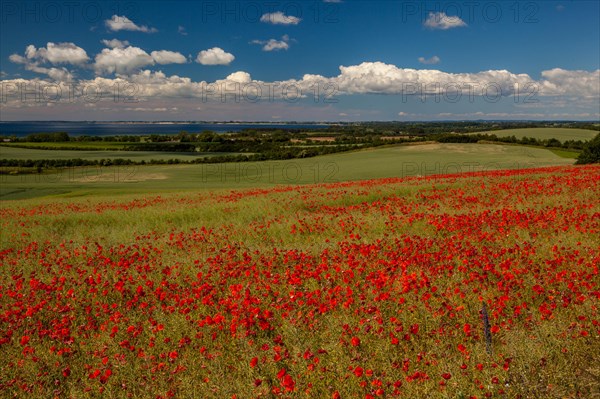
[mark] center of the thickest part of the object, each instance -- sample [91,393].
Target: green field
[31,153]
[545,133]
[92,145]
[565,153]
[391,161]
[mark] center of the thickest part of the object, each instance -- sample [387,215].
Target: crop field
[565,153]
[543,133]
[392,161]
[8,152]
[92,145]
[472,285]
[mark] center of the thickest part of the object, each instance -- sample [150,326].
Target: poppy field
[474,285]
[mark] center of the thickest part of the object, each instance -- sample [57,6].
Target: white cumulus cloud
[430,61]
[239,77]
[59,74]
[17,59]
[63,53]
[117,23]
[559,81]
[57,53]
[279,18]
[439,20]
[60,53]
[115,43]
[274,44]
[214,56]
[122,60]
[168,57]
[578,88]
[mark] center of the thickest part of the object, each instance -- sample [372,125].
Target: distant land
[115,128]
[91,128]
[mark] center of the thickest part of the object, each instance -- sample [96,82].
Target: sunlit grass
[363,288]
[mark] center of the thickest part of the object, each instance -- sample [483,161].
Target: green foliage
[43,137]
[591,152]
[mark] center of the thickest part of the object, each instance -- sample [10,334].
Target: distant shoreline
[136,128]
[212,123]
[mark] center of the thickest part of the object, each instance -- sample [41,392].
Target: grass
[565,153]
[222,293]
[34,154]
[543,133]
[391,161]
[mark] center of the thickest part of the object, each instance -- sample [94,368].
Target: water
[22,129]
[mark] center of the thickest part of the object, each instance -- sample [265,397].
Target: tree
[591,152]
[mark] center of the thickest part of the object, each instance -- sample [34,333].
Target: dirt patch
[92,176]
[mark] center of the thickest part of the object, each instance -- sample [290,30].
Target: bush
[591,152]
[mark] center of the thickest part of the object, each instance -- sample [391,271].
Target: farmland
[35,154]
[543,133]
[363,289]
[77,145]
[390,161]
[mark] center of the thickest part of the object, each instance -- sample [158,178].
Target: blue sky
[300,60]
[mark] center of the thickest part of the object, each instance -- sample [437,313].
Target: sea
[22,129]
